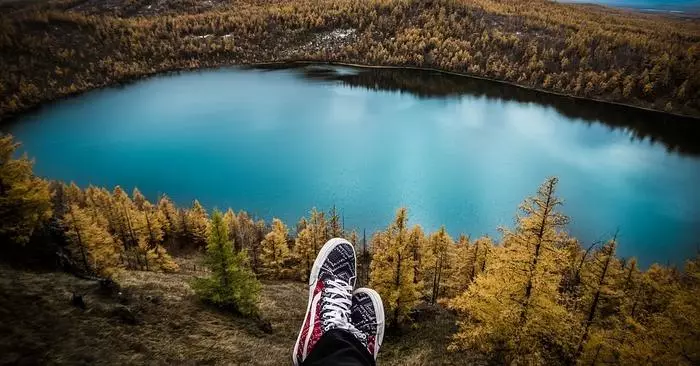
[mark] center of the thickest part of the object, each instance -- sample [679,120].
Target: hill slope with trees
[61,47]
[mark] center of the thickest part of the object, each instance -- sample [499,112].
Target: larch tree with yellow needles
[153,236]
[391,271]
[196,225]
[479,259]
[602,291]
[231,221]
[25,200]
[335,225]
[364,259]
[512,310]
[172,228]
[303,251]
[460,275]
[274,250]
[319,229]
[437,262]
[90,242]
[416,245]
[123,210]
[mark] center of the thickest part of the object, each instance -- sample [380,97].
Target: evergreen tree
[391,271]
[25,200]
[231,284]
[274,249]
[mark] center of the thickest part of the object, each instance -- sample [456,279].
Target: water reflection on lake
[456,151]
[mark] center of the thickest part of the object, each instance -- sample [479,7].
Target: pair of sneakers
[334,305]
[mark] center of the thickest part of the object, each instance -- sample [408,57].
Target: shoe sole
[379,313]
[313,278]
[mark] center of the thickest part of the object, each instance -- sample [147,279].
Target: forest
[536,295]
[52,49]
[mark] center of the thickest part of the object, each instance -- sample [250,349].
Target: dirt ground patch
[154,318]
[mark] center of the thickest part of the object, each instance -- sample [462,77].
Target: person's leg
[331,282]
[339,347]
[360,346]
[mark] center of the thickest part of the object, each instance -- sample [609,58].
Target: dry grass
[39,325]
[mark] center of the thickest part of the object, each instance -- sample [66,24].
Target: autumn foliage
[59,48]
[24,198]
[535,296]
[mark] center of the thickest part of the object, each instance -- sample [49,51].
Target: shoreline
[13,117]
[692,12]
[465,75]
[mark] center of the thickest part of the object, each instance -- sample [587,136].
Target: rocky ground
[154,318]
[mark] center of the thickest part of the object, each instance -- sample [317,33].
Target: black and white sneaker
[367,315]
[330,296]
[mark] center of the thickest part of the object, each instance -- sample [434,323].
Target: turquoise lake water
[672,6]
[455,151]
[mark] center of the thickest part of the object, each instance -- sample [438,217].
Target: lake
[456,151]
[691,7]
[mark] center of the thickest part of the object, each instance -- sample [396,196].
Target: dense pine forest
[61,47]
[535,295]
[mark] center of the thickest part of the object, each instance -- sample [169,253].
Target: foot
[330,295]
[367,316]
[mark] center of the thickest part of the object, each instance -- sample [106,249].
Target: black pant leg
[339,347]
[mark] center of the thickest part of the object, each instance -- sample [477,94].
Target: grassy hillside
[166,324]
